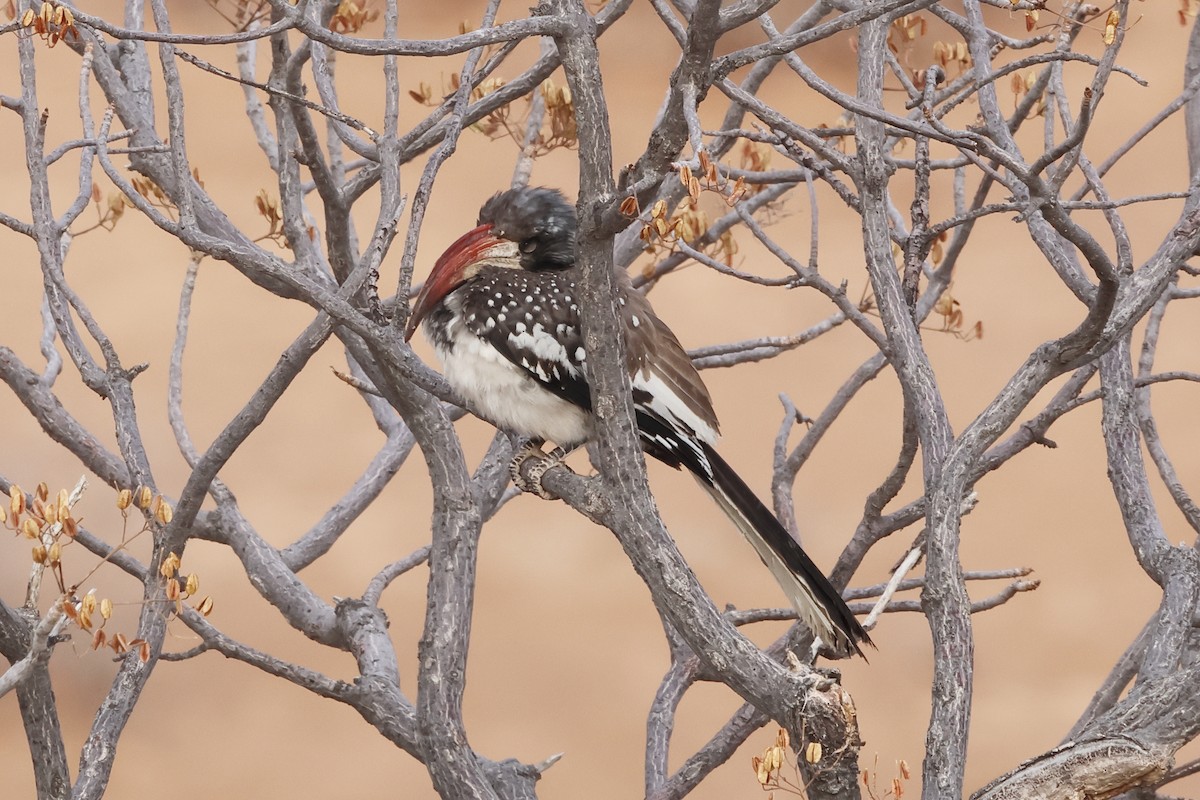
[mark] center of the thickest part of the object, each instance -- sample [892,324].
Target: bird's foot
[531,480]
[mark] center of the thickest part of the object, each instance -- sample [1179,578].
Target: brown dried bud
[124,498]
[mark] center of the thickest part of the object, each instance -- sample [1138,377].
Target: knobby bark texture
[922,128]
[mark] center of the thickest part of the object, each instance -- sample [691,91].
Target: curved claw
[533,483]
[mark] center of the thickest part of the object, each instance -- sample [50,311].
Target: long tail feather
[817,603]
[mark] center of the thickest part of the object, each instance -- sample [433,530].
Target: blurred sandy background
[567,650]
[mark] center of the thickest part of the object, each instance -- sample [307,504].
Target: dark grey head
[540,221]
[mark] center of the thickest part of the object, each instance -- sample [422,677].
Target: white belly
[506,396]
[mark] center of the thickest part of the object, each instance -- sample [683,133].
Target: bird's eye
[528,246]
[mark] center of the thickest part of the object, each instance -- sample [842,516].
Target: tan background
[567,650]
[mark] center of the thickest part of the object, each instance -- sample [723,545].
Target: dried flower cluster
[687,223]
[50,22]
[770,766]
[952,53]
[557,129]
[870,779]
[712,180]
[50,522]
[154,194]
[560,119]
[351,15]
[1022,84]
[109,210]
[904,31]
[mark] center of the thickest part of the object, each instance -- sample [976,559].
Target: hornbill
[502,311]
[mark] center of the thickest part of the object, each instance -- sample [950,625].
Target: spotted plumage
[501,309]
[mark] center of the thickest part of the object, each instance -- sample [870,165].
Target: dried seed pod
[170,566]
[1110,26]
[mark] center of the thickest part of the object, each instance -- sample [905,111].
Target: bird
[501,309]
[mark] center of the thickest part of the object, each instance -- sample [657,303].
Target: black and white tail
[817,603]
